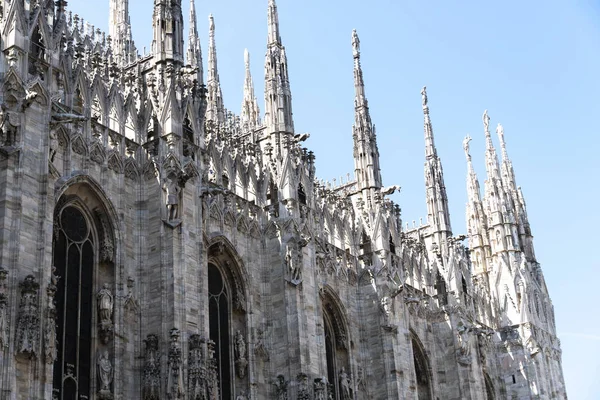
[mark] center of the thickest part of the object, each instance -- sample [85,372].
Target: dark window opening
[74,262]
[421,372]
[225,179]
[301,195]
[218,305]
[392,245]
[440,286]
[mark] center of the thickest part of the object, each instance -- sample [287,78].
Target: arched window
[227,317]
[336,348]
[83,262]
[74,260]
[218,308]
[421,371]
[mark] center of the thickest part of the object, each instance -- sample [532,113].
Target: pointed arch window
[218,309]
[74,260]
[336,349]
[421,371]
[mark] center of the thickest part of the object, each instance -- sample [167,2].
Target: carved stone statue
[175,377]
[466,141]
[197,385]
[29,322]
[320,388]
[151,378]
[424,96]
[280,387]
[355,44]
[293,259]
[464,350]
[486,121]
[172,190]
[345,385]
[500,133]
[105,375]
[240,355]
[105,310]
[105,304]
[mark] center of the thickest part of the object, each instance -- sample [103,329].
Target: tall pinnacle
[491,158]
[430,150]
[366,153]
[167,44]
[194,51]
[250,116]
[438,212]
[278,95]
[215,110]
[120,31]
[360,99]
[273,20]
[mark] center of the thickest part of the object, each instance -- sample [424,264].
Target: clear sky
[534,65]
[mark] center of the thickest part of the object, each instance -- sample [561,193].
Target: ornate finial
[424,95]
[247,59]
[486,121]
[466,141]
[355,44]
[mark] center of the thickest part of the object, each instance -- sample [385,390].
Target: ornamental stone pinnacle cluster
[157,245]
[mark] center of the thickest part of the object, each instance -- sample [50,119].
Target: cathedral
[156,245]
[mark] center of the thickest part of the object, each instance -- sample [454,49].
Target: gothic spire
[508,174]
[120,32]
[366,153]
[278,96]
[273,20]
[215,110]
[250,116]
[476,221]
[438,213]
[194,51]
[167,44]
[491,158]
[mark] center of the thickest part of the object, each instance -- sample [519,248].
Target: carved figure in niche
[345,385]
[105,375]
[105,310]
[240,354]
[172,190]
[175,377]
[29,323]
[303,393]
[105,304]
[293,259]
[131,304]
[320,388]
[196,370]
[151,379]
[50,328]
[241,396]
[280,387]
[9,122]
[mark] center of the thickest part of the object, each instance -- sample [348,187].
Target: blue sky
[534,65]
